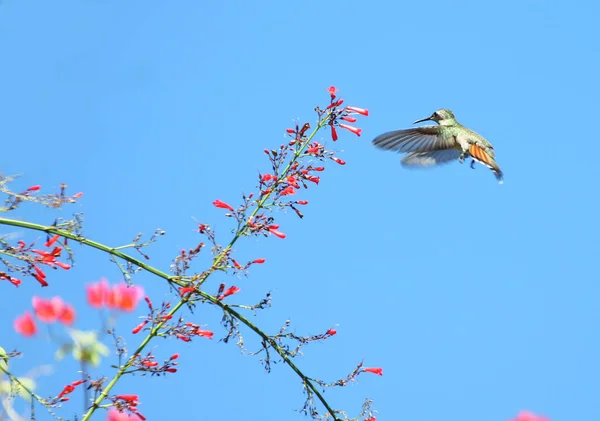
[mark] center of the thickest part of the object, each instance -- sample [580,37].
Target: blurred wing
[419,139]
[430,159]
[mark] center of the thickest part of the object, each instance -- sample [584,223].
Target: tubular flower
[334,134]
[374,370]
[357,110]
[353,129]
[222,205]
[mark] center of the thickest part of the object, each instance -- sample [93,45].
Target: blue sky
[478,300]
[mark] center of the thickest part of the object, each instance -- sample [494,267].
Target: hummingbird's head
[442,117]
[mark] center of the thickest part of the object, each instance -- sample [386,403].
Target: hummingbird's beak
[423,119]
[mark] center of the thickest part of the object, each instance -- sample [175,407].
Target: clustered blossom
[35,259]
[118,297]
[46,311]
[149,365]
[123,403]
[188,330]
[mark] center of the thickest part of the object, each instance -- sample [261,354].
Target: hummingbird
[427,146]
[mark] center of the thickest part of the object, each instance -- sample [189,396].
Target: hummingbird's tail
[498,173]
[481,156]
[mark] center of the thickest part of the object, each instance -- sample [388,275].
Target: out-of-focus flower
[25,325]
[125,298]
[97,293]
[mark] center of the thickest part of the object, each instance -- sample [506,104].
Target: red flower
[332,91]
[377,370]
[128,398]
[334,135]
[49,310]
[371,419]
[338,160]
[288,191]
[314,149]
[206,333]
[331,332]
[16,282]
[25,325]
[34,188]
[290,131]
[236,264]
[40,279]
[51,241]
[67,317]
[292,182]
[529,416]
[349,119]
[185,290]
[357,110]
[125,298]
[302,202]
[267,177]
[259,261]
[174,357]
[139,327]
[97,293]
[77,195]
[230,291]
[277,233]
[318,168]
[353,129]
[222,205]
[312,178]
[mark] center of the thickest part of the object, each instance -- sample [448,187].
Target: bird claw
[472,164]
[461,158]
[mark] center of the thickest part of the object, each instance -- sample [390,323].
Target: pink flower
[376,370]
[25,325]
[529,416]
[67,317]
[115,415]
[353,129]
[124,298]
[48,310]
[222,205]
[357,110]
[97,293]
